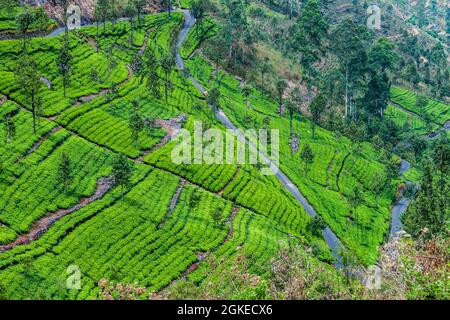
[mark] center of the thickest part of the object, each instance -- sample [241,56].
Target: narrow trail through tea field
[42,225]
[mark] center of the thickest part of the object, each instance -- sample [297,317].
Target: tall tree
[308,33]
[136,125]
[168,5]
[292,108]
[10,127]
[167,66]
[281,87]
[214,50]
[382,56]
[64,5]
[424,211]
[349,44]
[198,11]
[317,108]
[139,6]
[441,159]
[377,96]
[24,20]
[30,83]
[64,61]
[130,12]
[213,98]
[101,12]
[122,171]
[65,173]
[307,156]
[150,68]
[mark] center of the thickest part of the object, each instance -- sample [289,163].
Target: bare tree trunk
[346,92]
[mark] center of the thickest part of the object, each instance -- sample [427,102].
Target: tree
[441,160]
[281,87]
[214,50]
[421,103]
[355,199]
[137,64]
[292,108]
[150,67]
[308,33]
[246,92]
[130,12]
[264,68]
[64,61]
[349,43]
[167,65]
[379,184]
[24,20]
[382,56]
[64,4]
[217,216]
[317,107]
[213,99]
[168,4]
[391,170]
[30,83]
[136,125]
[101,12]
[307,156]
[424,211]
[10,127]
[122,171]
[139,5]
[316,225]
[113,12]
[198,11]
[377,95]
[65,174]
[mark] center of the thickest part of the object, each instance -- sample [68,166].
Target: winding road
[400,206]
[329,236]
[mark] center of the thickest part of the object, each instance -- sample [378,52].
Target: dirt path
[176,196]
[172,127]
[38,143]
[229,182]
[173,202]
[229,223]
[42,225]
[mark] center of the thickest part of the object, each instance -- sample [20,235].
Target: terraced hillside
[437,111]
[124,109]
[43,225]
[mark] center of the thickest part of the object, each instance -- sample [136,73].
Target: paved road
[400,206]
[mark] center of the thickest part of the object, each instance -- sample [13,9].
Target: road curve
[400,206]
[329,236]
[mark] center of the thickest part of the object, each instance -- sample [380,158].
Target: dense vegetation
[87,178]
